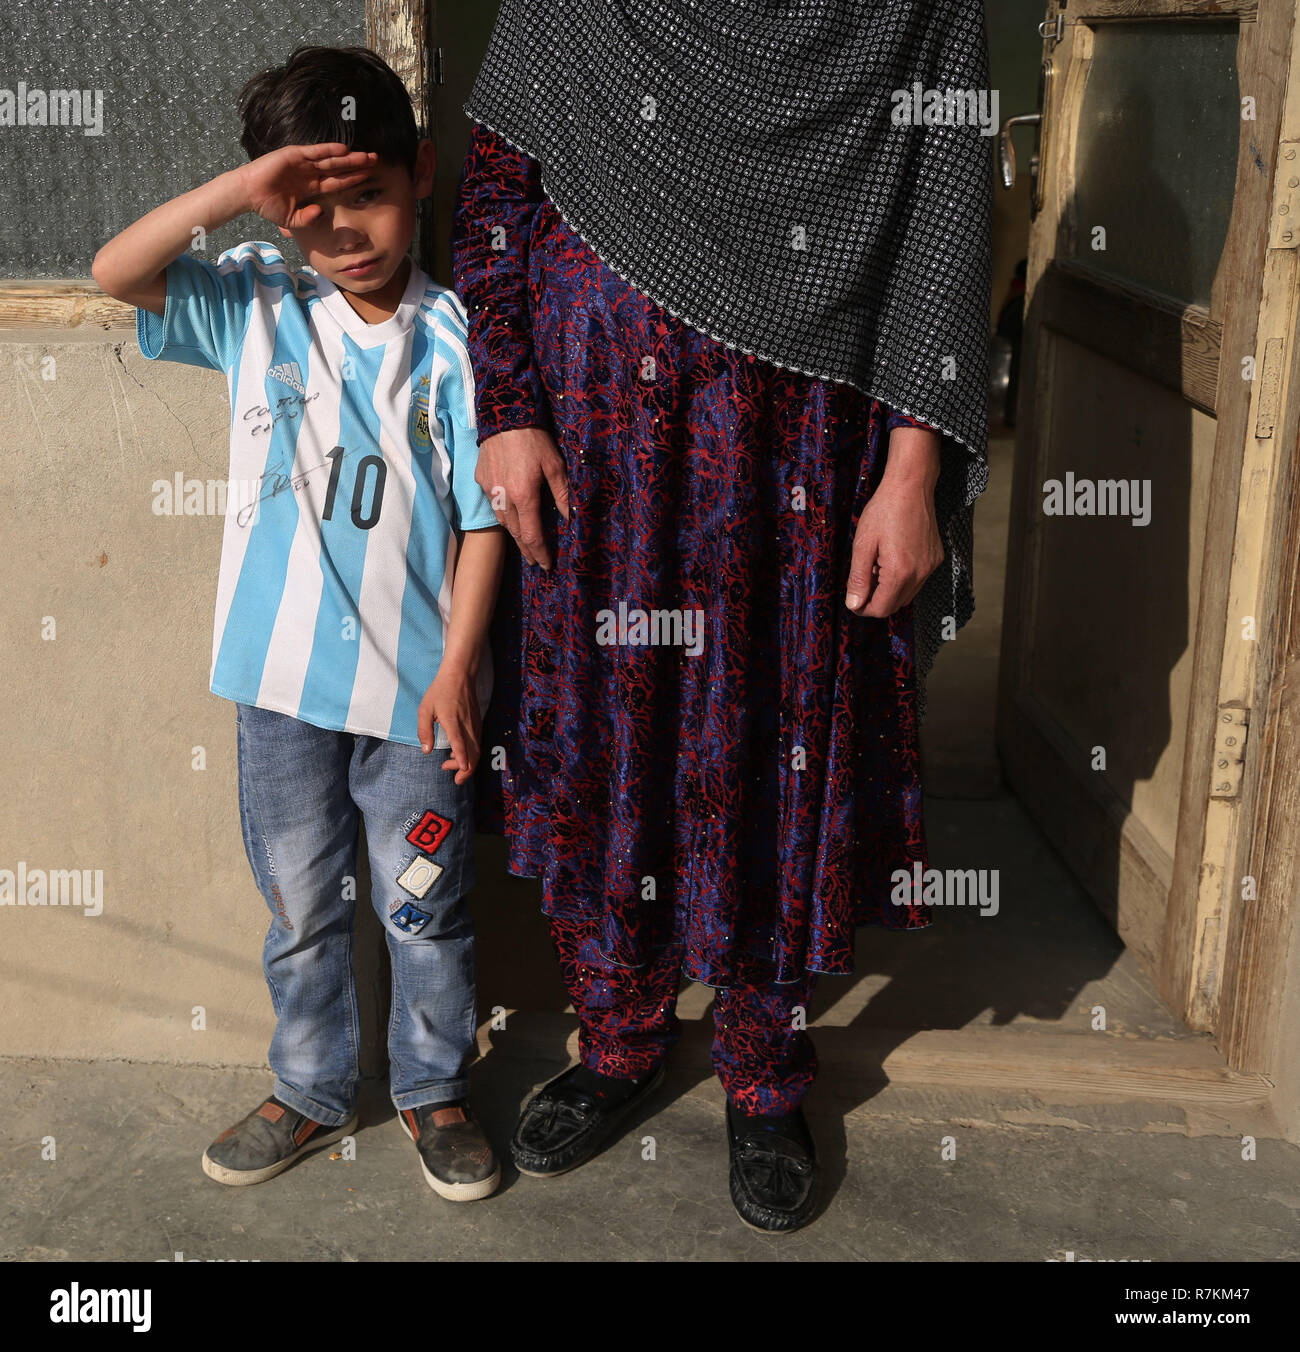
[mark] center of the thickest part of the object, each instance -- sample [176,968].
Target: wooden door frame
[1218,964]
[1262,840]
[401,31]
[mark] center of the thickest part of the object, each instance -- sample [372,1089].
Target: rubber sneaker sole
[455,1192]
[238,1178]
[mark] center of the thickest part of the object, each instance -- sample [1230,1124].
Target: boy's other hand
[278,183]
[451,702]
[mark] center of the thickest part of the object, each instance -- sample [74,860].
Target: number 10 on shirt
[361,519]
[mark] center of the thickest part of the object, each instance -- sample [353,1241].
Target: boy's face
[361,238]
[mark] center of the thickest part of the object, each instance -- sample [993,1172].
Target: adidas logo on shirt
[288,373]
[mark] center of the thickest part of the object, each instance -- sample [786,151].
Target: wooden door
[1153,473]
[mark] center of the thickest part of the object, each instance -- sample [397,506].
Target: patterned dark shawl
[744,163]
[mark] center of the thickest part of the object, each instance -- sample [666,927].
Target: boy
[338,634]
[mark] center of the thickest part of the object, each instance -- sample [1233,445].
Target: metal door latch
[1229,751]
[1284,224]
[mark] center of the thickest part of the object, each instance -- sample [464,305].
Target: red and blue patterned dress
[745,802]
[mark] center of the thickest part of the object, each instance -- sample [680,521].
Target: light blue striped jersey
[352,456]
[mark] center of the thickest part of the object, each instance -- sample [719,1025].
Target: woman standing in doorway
[728,291]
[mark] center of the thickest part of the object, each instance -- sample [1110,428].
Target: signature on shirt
[287,407]
[276,481]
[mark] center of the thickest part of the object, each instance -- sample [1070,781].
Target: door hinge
[1230,729]
[1284,224]
[437,65]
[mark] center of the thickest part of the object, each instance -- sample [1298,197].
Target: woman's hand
[511,468]
[277,183]
[897,544]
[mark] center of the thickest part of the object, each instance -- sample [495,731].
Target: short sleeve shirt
[353,448]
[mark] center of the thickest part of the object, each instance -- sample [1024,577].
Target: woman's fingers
[558,482]
[863,568]
[887,596]
[878,585]
[896,546]
[514,463]
[531,537]
[516,531]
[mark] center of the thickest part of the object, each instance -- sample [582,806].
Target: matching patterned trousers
[628,1021]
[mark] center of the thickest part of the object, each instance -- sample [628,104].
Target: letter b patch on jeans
[429,832]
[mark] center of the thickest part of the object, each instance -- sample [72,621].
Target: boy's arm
[473,594]
[480,554]
[451,699]
[132,266]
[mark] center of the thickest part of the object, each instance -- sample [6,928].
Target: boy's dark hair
[320,94]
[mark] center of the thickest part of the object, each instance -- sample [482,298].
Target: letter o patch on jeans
[420,876]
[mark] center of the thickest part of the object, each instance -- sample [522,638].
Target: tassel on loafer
[773,1172]
[563,1126]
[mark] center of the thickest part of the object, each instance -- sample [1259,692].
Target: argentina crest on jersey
[419,423]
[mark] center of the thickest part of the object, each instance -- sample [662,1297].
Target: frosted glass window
[164,77]
[1157,158]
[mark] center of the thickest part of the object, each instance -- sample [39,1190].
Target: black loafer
[562,1126]
[773,1170]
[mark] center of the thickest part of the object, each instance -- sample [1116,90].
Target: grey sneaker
[268,1140]
[455,1153]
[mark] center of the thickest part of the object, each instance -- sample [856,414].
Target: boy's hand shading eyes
[279,183]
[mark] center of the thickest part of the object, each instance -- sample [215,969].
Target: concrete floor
[127,1185]
[1030,1181]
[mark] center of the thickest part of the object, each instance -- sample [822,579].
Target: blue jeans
[302,792]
